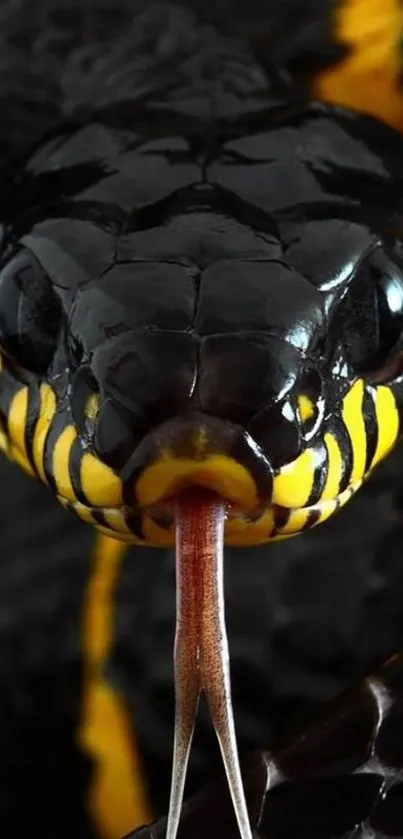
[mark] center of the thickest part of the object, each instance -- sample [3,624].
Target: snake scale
[201,283]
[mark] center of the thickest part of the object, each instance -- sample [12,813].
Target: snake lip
[198,449]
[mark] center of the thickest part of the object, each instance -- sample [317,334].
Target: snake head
[204,346]
[234,324]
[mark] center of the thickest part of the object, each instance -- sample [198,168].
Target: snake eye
[30,313]
[372,317]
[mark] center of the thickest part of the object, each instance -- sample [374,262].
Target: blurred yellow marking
[388,422]
[117,799]
[17,420]
[368,79]
[60,462]
[352,413]
[334,468]
[46,413]
[99,483]
[91,408]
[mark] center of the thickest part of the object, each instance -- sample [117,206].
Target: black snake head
[201,324]
[224,311]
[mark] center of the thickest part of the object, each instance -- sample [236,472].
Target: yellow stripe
[115,520]
[334,468]
[3,438]
[84,513]
[353,417]
[17,457]
[116,799]
[3,443]
[388,422]
[293,486]
[296,522]
[17,419]
[100,485]
[46,413]
[60,462]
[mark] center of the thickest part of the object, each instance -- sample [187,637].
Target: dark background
[306,617]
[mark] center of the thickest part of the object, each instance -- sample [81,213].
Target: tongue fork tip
[201,658]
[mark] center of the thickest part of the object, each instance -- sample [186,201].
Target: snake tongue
[201,659]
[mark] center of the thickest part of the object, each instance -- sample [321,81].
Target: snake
[201,317]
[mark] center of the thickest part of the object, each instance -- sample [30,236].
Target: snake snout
[199,450]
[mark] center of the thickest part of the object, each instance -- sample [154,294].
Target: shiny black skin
[179,256]
[319,610]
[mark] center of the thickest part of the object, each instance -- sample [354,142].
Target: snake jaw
[201,656]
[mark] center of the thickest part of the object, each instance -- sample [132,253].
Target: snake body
[203,283]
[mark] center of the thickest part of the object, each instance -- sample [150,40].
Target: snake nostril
[277,430]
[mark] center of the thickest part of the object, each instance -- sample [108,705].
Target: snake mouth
[199,451]
[154,525]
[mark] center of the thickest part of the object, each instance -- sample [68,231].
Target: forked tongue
[201,659]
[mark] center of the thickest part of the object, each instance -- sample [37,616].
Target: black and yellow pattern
[116,798]
[305,492]
[39,434]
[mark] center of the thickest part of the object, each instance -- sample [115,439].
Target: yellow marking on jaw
[17,419]
[388,422]
[293,485]
[17,457]
[353,417]
[368,79]
[218,472]
[296,522]
[100,485]
[348,493]
[46,413]
[84,513]
[91,408]
[115,520]
[117,799]
[60,462]
[334,468]
[4,445]
[306,407]
[240,532]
